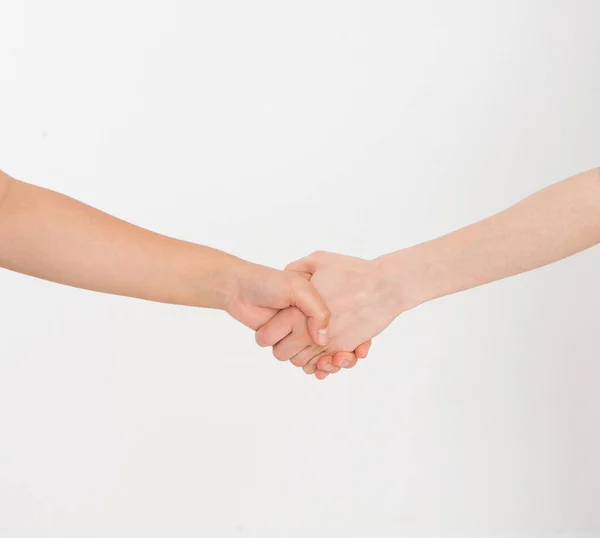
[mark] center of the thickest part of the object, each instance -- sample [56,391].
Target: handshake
[321,312]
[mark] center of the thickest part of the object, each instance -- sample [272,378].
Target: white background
[272,129]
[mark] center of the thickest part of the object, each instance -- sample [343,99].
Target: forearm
[51,236]
[550,225]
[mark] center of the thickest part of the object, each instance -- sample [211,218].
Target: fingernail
[322,337]
[346,364]
[328,368]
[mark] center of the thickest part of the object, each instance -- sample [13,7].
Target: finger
[363,350]
[311,364]
[279,326]
[325,364]
[305,297]
[344,360]
[304,355]
[261,316]
[321,375]
[289,348]
[308,354]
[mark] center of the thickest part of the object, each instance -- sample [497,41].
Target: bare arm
[550,225]
[366,296]
[51,236]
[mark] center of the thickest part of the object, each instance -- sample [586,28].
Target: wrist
[407,277]
[217,280]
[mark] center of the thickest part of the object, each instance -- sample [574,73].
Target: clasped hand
[360,304]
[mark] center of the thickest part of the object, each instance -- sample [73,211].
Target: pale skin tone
[365,296]
[51,236]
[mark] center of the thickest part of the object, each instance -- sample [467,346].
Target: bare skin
[51,236]
[365,296]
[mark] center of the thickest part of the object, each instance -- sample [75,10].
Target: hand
[292,328]
[362,302]
[327,364]
[259,293]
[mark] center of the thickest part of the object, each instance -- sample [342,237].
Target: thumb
[304,265]
[304,296]
[307,276]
